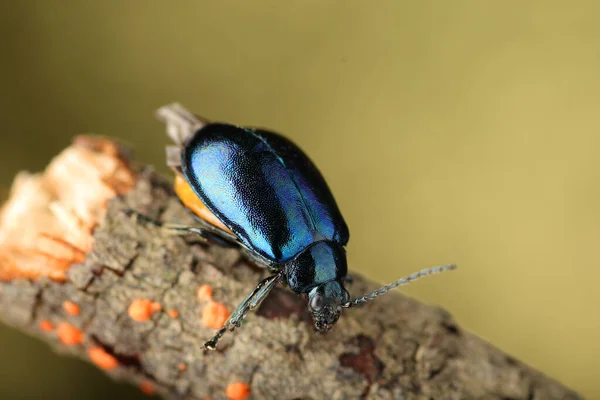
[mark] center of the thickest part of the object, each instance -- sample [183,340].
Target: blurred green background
[463,131]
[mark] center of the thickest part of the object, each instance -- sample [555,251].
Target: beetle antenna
[400,282]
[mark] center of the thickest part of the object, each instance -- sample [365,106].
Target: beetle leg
[261,261]
[252,301]
[207,232]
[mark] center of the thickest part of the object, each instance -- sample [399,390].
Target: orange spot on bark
[71,308]
[141,309]
[173,313]
[46,325]
[102,359]
[238,391]
[147,387]
[214,315]
[155,307]
[68,334]
[182,367]
[205,292]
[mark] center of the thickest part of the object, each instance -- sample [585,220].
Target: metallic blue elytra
[273,199]
[263,188]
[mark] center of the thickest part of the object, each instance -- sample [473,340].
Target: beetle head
[325,304]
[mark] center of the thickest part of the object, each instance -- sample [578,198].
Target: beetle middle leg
[207,232]
[252,301]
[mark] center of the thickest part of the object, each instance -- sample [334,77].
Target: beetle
[255,189]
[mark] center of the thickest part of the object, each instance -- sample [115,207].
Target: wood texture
[392,348]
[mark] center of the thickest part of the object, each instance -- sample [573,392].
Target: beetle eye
[345,296]
[317,303]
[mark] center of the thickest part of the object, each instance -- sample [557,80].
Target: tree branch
[392,348]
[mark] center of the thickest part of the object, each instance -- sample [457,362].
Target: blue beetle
[257,190]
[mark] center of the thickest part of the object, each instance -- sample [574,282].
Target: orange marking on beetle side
[102,359]
[147,387]
[71,308]
[238,391]
[68,334]
[46,325]
[189,199]
[205,292]
[214,315]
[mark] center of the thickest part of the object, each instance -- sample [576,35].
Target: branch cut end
[47,223]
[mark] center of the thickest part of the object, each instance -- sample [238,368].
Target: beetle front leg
[252,301]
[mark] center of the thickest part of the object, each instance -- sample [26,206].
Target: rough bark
[392,348]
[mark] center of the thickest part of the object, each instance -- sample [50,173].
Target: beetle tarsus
[212,343]
[130,212]
[250,302]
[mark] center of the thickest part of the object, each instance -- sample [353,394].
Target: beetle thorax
[319,263]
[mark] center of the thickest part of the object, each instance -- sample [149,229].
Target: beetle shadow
[282,303]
